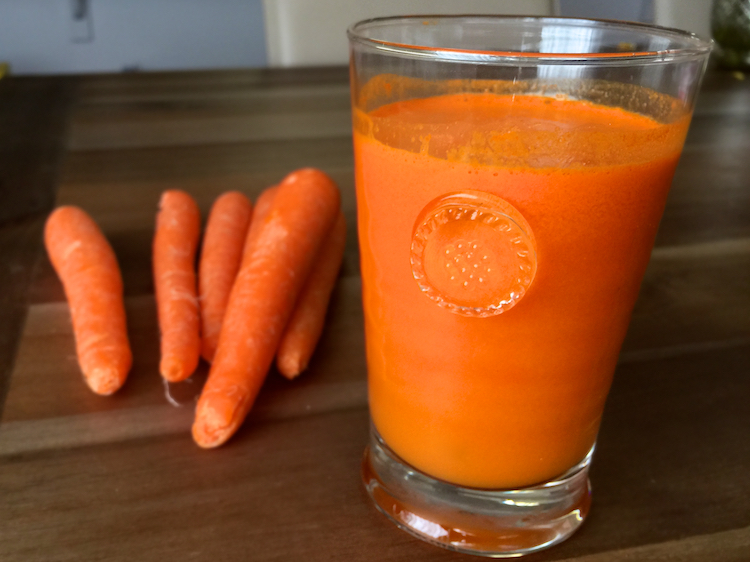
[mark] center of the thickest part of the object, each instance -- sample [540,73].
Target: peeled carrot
[87,267]
[223,243]
[306,324]
[175,244]
[304,209]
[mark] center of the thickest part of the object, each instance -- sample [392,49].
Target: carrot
[260,212]
[223,243]
[87,266]
[272,275]
[175,243]
[306,324]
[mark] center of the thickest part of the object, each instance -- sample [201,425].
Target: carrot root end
[290,366]
[217,418]
[104,380]
[172,370]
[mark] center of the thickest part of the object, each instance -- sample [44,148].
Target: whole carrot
[175,244]
[87,267]
[220,260]
[306,324]
[272,275]
[258,215]
[260,212]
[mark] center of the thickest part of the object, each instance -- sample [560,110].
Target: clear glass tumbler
[511,173]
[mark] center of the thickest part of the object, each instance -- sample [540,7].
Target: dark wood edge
[34,113]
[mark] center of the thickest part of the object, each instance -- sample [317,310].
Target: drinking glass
[511,173]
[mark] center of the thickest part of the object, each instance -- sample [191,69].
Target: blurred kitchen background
[84,36]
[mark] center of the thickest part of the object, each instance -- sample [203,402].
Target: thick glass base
[493,523]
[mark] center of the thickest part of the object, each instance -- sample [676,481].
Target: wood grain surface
[84,477]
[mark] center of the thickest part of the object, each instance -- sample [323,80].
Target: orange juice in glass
[511,174]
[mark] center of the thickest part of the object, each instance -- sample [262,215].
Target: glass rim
[695,47]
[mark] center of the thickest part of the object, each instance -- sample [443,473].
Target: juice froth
[516,398]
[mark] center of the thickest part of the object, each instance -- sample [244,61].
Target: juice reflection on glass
[504,227]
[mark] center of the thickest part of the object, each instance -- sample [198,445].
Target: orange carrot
[87,267]
[304,209]
[220,260]
[306,324]
[175,243]
[260,212]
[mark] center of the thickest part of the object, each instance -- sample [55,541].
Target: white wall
[313,32]
[691,15]
[36,35]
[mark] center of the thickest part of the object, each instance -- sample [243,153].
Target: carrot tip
[104,380]
[173,370]
[217,417]
[208,438]
[290,367]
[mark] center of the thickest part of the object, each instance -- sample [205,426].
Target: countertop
[84,477]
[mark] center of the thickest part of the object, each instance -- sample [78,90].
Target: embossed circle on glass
[473,253]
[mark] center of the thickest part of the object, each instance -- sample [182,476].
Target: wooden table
[89,478]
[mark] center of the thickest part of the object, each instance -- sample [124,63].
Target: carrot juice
[510,399]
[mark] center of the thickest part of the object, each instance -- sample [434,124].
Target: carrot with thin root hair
[306,324]
[304,209]
[221,255]
[175,244]
[87,266]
